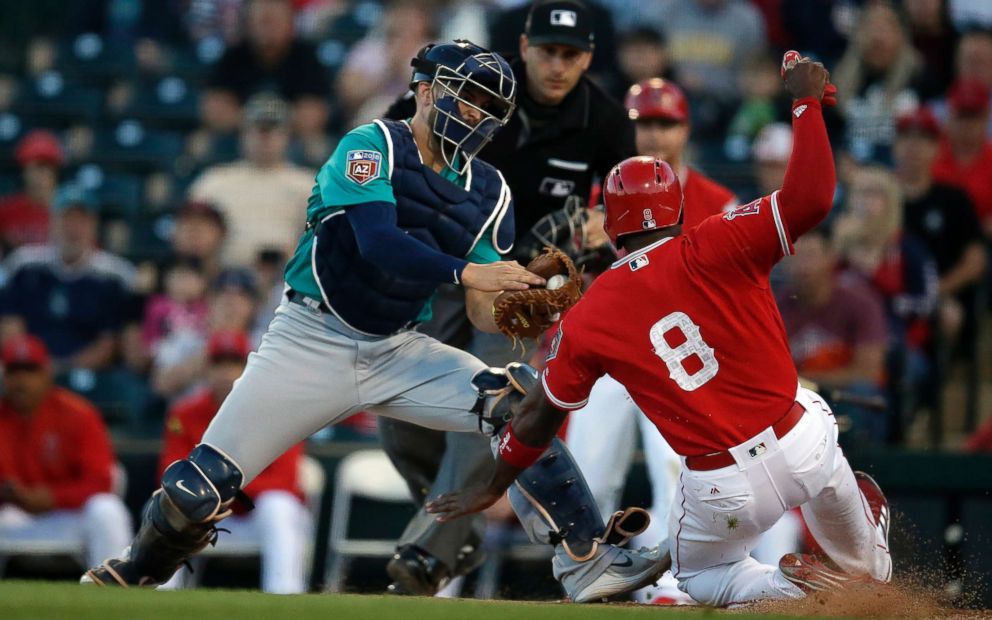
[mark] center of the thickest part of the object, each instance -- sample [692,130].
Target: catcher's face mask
[471,102]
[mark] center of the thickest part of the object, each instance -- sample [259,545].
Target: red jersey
[188,420]
[975,178]
[63,446]
[689,325]
[22,221]
[704,197]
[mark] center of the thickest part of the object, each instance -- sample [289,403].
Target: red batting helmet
[641,193]
[657,99]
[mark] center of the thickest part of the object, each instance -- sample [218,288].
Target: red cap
[969,97]
[920,120]
[228,344]
[24,351]
[641,193]
[657,99]
[39,145]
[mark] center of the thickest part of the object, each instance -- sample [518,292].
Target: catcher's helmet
[453,70]
[641,193]
[656,98]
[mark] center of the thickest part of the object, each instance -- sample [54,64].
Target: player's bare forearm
[866,366]
[968,270]
[479,307]
[535,424]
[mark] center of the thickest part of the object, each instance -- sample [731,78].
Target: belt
[316,304]
[307,302]
[716,460]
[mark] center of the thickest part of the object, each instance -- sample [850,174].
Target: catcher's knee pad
[203,486]
[554,485]
[500,389]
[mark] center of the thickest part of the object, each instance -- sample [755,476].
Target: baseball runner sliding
[696,338]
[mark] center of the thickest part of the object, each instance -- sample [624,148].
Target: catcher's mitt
[529,313]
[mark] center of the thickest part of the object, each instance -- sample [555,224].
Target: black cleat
[416,572]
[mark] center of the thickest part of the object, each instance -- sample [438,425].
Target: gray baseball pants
[434,462]
[312,370]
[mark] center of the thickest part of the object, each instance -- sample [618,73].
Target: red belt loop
[716,460]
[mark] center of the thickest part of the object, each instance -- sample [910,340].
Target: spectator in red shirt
[836,327]
[24,216]
[56,461]
[660,111]
[965,157]
[279,524]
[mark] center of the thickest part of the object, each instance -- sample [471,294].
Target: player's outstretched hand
[453,505]
[499,276]
[805,78]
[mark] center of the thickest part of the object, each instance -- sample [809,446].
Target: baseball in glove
[529,313]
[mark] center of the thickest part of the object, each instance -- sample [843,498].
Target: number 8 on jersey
[674,357]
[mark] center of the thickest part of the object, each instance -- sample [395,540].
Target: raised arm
[808,189]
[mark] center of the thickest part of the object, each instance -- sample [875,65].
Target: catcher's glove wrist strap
[517,453]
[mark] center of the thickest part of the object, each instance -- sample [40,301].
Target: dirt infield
[871,601]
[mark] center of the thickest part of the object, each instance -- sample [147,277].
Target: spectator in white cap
[770,152]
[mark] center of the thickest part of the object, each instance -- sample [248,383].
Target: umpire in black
[565,133]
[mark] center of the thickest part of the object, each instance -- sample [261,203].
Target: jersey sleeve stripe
[558,402]
[783,235]
[389,145]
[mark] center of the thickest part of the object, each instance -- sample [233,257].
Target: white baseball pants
[719,515]
[101,527]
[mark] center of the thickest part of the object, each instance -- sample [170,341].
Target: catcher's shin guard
[500,390]
[179,520]
[556,489]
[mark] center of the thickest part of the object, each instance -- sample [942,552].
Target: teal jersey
[358,172]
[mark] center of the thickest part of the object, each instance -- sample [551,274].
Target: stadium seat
[119,195]
[169,102]
[39,547]
[53,101]
[366,474]
[89,58]
[12,129]
[150,237]
[132,147]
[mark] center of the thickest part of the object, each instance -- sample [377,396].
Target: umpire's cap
[566,22]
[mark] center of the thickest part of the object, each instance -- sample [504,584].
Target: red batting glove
[789,60]
[829,95]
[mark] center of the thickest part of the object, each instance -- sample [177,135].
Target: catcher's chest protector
[447,217]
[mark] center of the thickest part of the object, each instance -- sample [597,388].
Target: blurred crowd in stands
[156,158]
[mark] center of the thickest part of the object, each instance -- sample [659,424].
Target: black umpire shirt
[547,153]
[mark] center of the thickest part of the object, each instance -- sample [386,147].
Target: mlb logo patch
[564,18]
[555,343]
[362,166]
[639,262]
[757,450]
